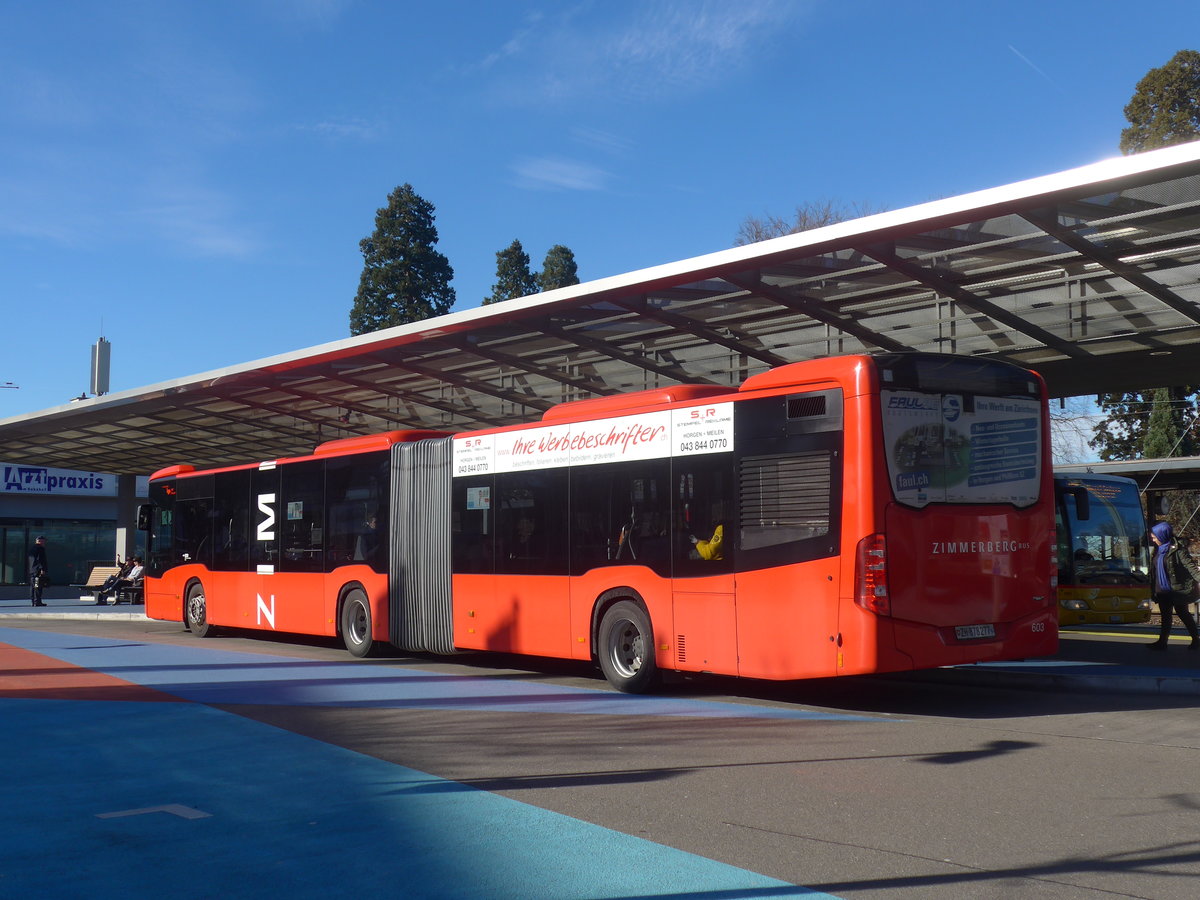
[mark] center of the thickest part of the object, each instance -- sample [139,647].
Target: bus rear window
[962,448]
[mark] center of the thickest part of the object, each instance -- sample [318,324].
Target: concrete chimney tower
[101,354]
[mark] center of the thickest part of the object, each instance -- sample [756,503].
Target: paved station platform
[1092,658]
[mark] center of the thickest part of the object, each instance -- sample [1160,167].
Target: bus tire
[195,612]
[625,646]
[356,624]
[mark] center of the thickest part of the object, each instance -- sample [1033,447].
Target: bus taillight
[870,576]
[1053,561]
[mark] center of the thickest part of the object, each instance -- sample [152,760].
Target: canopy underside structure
[1090,277]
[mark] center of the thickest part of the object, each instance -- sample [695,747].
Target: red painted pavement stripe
[34,676]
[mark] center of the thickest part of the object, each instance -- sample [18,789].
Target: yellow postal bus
[1103,560]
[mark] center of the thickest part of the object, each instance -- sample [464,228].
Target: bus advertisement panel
[839,516]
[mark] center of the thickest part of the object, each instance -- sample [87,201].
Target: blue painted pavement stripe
[270,813]
[222,676]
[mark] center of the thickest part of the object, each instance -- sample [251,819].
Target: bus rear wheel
[356,624]
[626,648]
[195,612]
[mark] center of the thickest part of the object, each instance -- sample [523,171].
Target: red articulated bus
[834,517]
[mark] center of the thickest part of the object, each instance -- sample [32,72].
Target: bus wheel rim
[196,607]
[626,648]
[358,623]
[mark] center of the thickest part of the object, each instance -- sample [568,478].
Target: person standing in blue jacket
[1175,579]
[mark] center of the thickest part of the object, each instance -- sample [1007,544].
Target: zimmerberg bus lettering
[266,526]
[944,548]
[264,611]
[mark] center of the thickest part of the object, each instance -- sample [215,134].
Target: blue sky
[192,180]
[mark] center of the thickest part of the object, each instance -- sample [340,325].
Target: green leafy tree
[404,279]
[1165,108]
[513,278]
[558,269]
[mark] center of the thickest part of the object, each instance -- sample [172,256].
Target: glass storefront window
[72,545]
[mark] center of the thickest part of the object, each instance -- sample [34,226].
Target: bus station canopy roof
[1091,277]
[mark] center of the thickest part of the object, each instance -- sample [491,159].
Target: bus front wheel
[195,612]
[626,648]
[356,624]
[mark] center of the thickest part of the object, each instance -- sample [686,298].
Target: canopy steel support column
[126,516]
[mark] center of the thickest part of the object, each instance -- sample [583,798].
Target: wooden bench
[96,579]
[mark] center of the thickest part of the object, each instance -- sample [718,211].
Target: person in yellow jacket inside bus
[710,549]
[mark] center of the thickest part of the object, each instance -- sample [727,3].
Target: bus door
[790,465]
[703,601]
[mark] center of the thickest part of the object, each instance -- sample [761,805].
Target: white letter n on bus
[266,612]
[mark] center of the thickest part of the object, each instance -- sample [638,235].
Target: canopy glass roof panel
[1090,276]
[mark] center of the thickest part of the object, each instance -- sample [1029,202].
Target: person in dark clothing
[130,578]
[1175,578]
[111,581]
[39,570]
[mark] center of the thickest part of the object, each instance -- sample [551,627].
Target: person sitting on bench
[125,579]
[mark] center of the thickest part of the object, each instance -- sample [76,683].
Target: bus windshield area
[1110,542]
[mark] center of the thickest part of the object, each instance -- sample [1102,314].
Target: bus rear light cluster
[1053,561]
[870,576]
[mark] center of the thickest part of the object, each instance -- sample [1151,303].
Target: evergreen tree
[1167,429]
[1146,424]
[404,279]
[513,278]
[558,269]
[1165,108]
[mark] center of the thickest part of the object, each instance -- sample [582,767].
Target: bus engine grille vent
[681,647]
[808,405]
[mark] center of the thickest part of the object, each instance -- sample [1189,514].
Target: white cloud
[661,49]
[594,138]
[351,129]
[198,220]
[556,173]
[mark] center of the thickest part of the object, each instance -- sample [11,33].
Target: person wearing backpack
[1175,579]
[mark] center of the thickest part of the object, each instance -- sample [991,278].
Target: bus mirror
[144,517]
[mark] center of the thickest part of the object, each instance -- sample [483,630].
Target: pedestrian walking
[1175,579]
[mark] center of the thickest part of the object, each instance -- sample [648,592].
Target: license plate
[968,632]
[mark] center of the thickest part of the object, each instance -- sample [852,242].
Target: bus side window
[621,516]
[531,523]
[193,520]
[356,515]
[231,521]
[302,517]
[472,525]
[702,500]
